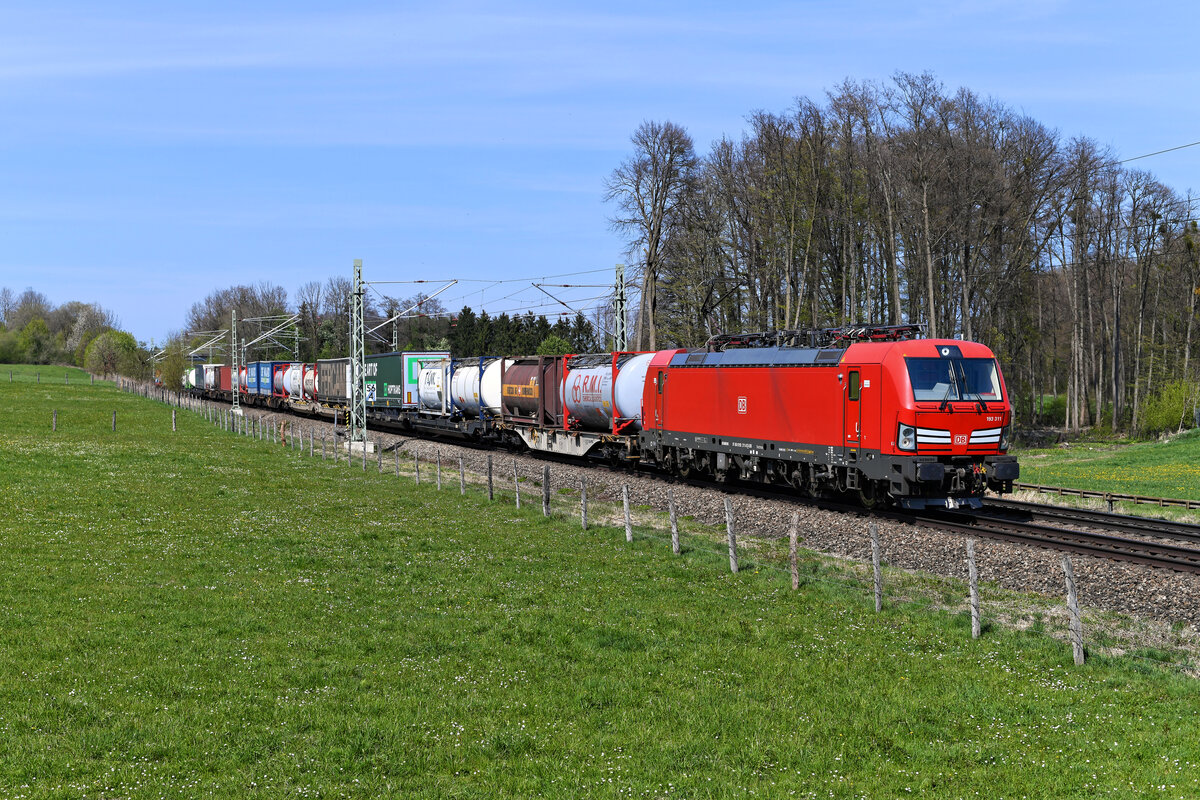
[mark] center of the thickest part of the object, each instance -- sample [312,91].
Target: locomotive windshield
[946,379]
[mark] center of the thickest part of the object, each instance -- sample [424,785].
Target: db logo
[741,405]
[960,438]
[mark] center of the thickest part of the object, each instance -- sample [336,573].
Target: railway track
[1147,526]
[1015,524]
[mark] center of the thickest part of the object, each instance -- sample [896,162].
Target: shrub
[1165,409]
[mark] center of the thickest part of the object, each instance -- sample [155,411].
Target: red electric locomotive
[872,411]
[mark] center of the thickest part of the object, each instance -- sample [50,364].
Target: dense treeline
[35,331]
[908,203]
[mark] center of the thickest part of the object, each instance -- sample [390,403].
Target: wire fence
[503,481]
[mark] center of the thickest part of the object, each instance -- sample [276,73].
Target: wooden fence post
[114,422]
[674,521]
[438,455]
[462,477]
[583,502]
[973,589]
[172,420]
[545,490]
[1076,623]
[310,442]
[491,491]
[516,483]
[322,445]
[876,567]
[397,460]
[732,534]
[417,466]
[628,523]
[54,421]
[379,457]
[793,550]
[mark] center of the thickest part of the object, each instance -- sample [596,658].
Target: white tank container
[292,380]
[588,394]
[464,388]
[210,376]
[489,388]
[472,390]
[310,381]
[431,386]
[277,379]
[242,378]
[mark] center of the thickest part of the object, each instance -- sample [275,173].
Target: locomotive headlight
[907,437]
[1004,438]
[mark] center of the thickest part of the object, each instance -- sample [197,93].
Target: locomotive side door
[660,399]
[852,410]
[869,406]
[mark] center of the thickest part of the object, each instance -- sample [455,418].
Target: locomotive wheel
[870,496]
[799,480]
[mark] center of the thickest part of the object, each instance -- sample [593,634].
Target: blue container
[252,377]
[261,375]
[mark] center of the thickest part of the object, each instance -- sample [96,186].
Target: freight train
[876,413]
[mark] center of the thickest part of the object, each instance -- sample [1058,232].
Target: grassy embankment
[195,614]
[1153,469]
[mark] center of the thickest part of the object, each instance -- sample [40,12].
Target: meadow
[195,614]
[1153,469]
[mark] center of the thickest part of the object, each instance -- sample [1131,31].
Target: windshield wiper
[946,400]
[978,397]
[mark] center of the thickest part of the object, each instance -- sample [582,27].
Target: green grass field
[195,614]
[1154,469]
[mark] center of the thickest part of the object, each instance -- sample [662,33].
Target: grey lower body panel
[918,480]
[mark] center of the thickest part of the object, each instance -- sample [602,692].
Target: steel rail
[1117,548]
[1149,526]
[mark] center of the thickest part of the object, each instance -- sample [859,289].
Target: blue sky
[153,152]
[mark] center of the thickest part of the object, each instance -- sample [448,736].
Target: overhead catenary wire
[1159,152]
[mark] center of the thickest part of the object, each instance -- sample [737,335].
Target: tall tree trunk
[930,293]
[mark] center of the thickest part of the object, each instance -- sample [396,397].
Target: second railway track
[1010,526]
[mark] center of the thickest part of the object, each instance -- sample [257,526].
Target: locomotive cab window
[941,379]
[853,385]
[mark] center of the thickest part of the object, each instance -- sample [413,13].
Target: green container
[393,378]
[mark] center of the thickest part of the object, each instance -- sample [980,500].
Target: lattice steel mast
[358,371]
[235,366]
[620,335]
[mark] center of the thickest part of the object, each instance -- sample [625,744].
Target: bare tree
[30,305]
[648,188]
[213,312]
[8,303]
